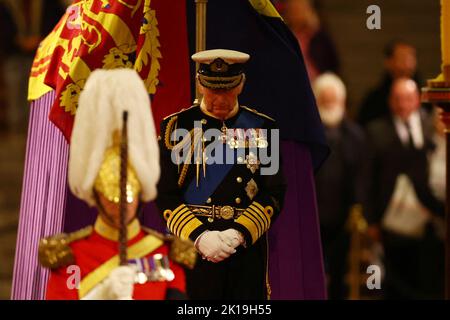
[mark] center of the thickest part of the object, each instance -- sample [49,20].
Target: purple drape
[43,198]
[295,254]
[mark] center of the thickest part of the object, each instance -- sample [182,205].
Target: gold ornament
[251,189]
[108,178]
[252,162]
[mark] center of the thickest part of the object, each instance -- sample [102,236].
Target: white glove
[118,285]
[232,238]
[212,247]
[121,283]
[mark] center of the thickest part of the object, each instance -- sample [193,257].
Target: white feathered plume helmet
[94,145]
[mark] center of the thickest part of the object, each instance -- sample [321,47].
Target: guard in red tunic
[86,264]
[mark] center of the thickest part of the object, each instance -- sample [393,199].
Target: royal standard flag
[149,36]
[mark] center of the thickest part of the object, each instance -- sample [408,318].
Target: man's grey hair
[328,80]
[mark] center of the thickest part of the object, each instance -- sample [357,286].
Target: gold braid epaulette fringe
[54,251]
[182,252]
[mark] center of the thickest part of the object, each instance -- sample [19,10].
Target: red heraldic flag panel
[149,36]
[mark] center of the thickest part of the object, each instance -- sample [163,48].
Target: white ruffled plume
[106,95]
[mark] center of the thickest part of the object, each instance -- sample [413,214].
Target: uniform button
[239,179]
[238,200]
[209,200]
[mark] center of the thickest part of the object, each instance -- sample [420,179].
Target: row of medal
[244,138]
[154,268]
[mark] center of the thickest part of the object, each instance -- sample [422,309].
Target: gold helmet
[94,162]
[108,178]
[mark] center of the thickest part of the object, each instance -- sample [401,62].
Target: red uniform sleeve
[176,289]
[58,288]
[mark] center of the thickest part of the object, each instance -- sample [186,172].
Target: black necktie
[410,143]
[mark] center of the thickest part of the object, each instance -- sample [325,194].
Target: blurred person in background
[400,60]
[317,45]
[340,183]
[401,204]
[24,23]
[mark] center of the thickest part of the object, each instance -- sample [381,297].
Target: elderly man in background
[401,202]
[340,183]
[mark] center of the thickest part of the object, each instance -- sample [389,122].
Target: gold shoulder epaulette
[170,127]
[178,112]
[54,251]
[173,114]
[258,113]
[182,252]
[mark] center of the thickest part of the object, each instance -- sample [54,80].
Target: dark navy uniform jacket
[239,185]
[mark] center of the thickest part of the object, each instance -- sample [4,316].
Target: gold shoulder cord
[170,128]
[183,174]
[185,168]
[170,125]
